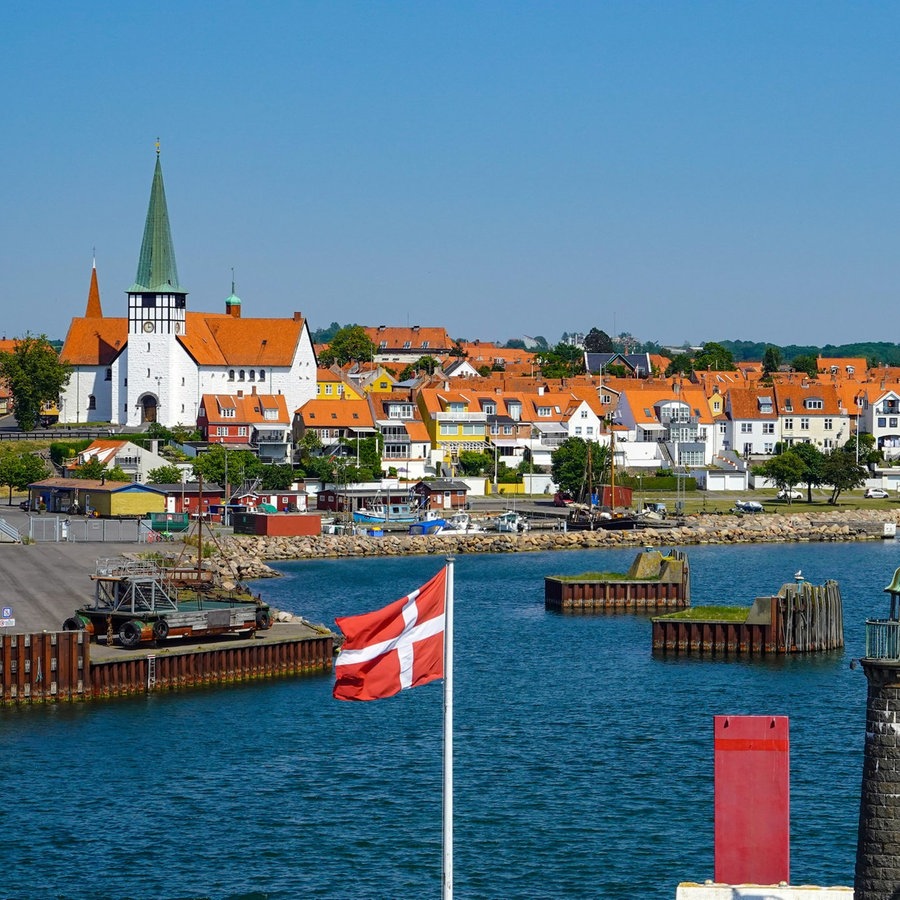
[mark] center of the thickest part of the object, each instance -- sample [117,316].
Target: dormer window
[813,404]
[253,374]
[407,345]
[231,374]
[241,375]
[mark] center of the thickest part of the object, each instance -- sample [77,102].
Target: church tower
[156,317]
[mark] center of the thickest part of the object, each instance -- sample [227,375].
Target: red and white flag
[398,647]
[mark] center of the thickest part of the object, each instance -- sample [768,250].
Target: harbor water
[584,766]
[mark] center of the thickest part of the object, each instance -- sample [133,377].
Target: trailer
[137,601]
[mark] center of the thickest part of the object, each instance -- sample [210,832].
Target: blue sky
[682,171]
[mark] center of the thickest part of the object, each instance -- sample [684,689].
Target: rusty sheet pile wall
[46,667]
[801,618]
[654,582]
[56,666]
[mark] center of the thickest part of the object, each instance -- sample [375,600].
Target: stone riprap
[246,555]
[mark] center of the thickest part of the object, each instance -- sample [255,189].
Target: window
[108,375]
[221,430]
[507,429]
[148,301]
[882,422]
[148,373]
[804,424]
[577,431]
[241,376]
[584,414]
[448,429]
[424,345]
[227,412]
[829,424]
[253,374]
[589,431]
[231,374]
[892,422]
[406,345]
[544,411]
[788,424]
[329,388]
[262,374]
[768,448]
[242,431]
[92,402]
[788,406]
[746,427]
[490,409]
[768,428]
[400,411]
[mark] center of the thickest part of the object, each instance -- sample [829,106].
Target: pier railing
[882,639]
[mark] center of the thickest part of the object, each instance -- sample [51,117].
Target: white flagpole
[447,877]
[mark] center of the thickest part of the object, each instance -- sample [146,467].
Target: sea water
[583,766]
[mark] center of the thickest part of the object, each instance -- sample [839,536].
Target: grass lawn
[711,613]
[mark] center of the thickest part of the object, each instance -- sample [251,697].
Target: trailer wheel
[160,629]
[73,623]
[130,634]
[263,619]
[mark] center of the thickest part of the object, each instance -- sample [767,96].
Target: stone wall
[878,843]
[246,555]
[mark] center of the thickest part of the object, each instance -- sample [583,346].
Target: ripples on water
[583,766]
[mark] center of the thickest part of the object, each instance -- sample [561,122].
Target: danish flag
[398,647]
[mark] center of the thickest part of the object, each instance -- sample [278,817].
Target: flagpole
[447,879]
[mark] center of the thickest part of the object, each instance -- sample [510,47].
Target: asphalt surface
[44,583]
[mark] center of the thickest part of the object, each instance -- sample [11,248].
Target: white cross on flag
[398,647]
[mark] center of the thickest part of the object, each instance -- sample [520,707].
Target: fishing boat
[511,522]
[387,513]
[462,523]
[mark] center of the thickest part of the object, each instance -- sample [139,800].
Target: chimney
[298,317]
[541,389]
[253,390]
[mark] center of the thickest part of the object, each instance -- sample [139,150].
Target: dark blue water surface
[583,765]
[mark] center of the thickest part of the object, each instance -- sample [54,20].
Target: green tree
[597,341]
[35,375]
[18,470]
[422,364]
[563,361]
[217,462]
[714,356]
[806,363]
[771,360]
[813,461]
[579,467]
[785,470]
[862,445]
[457,350]
[350,344]
[841,471]
[680,364]
[277,477]
[515,344]
[471,462]
[97,469]
[165,475]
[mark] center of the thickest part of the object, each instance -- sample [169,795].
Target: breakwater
[247,555]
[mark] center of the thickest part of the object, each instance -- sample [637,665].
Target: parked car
[876,494]
[26,505]
[789,495]
[748,506]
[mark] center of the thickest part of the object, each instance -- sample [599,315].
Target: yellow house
[77,496]
[455,421]
[333,386]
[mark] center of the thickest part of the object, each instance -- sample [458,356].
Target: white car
[875,494]
[789,495]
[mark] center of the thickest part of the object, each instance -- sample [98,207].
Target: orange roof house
[258,422]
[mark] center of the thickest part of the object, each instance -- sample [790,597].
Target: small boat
[462,523]
[511,523]
[385,513]
[430,524]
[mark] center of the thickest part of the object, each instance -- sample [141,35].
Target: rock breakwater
[247,556]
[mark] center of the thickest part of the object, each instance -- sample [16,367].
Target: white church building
[156,364]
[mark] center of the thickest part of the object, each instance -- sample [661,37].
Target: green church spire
[156,270]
